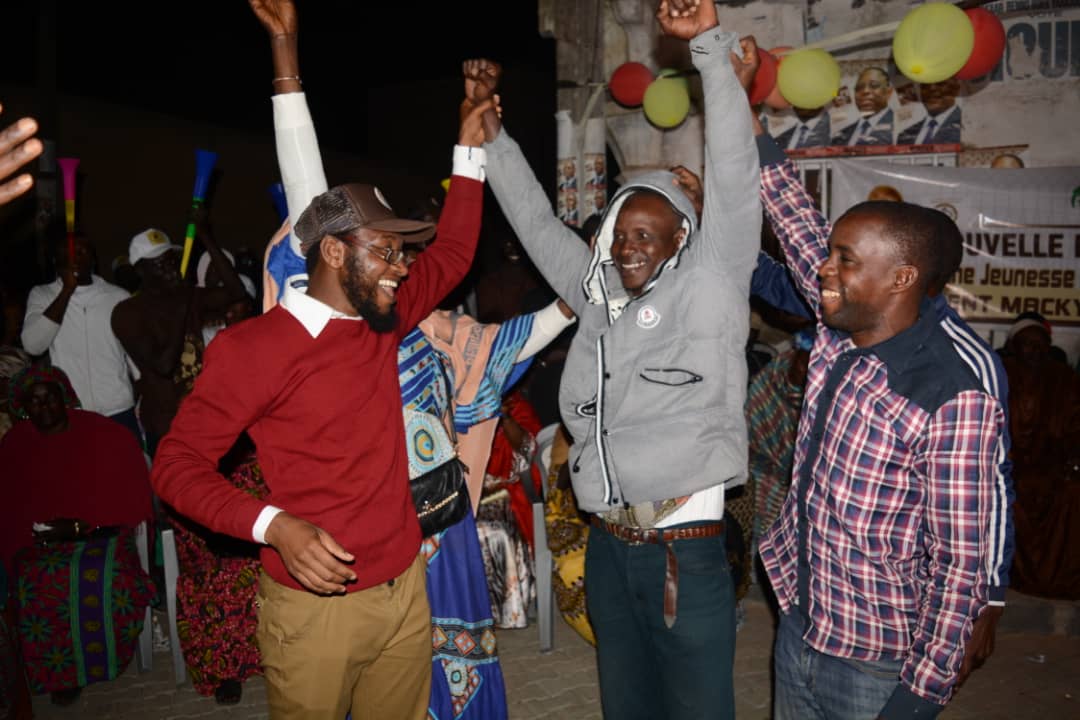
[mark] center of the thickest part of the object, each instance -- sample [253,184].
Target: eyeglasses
[387,254]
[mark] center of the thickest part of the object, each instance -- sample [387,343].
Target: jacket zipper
[599,426]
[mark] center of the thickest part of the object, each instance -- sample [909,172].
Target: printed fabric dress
[216,617]
[81,609]
[467,681]
[504,520]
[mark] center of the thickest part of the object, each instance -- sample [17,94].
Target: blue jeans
[812,685]
[648,670]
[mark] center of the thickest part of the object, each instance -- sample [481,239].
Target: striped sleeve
[801,228]
[958,466]
[508,342]
[987,367]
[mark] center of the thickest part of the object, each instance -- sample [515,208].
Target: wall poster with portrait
[876,106]
[566,179]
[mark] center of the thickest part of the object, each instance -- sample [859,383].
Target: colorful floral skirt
[215,593]
[9,652]
[81,610]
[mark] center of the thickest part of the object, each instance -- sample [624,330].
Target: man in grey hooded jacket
[653,389]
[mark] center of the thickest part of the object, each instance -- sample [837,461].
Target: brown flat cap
[346,208]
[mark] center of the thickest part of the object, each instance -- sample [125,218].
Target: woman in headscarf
[215,590]
[1044,420]
[12,360]
[82,596]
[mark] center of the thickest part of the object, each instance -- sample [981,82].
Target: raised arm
[801,228]
[299,160]
[18,146]
[770,281]
[730,235]
[556,250]
[232,290]
[443,265]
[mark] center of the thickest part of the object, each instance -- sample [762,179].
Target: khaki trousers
[367,652]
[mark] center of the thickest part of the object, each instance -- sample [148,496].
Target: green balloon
[808,79]
[670,72]
[667,102]
[933,42]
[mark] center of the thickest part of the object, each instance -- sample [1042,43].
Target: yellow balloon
[669,72]
[808,78]
[666,102]
[933,42]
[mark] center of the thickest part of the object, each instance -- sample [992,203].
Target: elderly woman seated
[80,479]
[1044,419]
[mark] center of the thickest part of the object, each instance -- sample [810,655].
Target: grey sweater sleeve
[730,235]
[556,250]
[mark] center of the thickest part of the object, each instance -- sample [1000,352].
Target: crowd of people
[870,468]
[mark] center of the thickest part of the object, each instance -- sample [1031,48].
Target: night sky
[383,81]
[368,67]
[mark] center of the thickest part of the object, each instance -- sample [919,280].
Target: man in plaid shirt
[879,558]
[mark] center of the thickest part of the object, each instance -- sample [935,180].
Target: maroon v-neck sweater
[325,415]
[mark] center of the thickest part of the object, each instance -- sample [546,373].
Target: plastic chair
[545,565]
[145,649]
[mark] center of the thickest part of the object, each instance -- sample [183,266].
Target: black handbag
[440,494]
[441,497]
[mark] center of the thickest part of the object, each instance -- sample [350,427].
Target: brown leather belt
[662,536]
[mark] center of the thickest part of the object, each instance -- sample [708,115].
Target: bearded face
[373,295]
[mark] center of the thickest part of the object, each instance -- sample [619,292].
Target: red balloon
[774,99]
[629,82]
[989,44]
[765,78]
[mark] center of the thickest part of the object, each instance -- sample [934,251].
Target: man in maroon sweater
[343,614]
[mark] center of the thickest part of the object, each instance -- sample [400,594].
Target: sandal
[228,692]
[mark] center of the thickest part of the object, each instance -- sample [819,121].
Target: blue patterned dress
[466,678]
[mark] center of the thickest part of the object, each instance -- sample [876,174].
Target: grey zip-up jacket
[653,388]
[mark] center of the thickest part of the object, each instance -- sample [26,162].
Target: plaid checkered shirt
[881,545]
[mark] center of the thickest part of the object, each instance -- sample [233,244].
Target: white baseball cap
[149,244]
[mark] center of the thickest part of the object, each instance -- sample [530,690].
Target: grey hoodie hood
[602,284]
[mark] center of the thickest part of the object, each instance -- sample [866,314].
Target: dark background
[382,80]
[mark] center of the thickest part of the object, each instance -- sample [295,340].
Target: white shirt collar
[874,119]
[313,314]
[812,123]
[942,117]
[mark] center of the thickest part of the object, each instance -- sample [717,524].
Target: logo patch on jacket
[647,317]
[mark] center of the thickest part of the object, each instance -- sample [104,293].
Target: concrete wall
[1033,98]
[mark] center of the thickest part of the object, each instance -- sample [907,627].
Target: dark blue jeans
[648,670]
[813,686]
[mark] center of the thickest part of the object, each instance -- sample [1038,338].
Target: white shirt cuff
[470,161]
[547,324]
[263,522]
